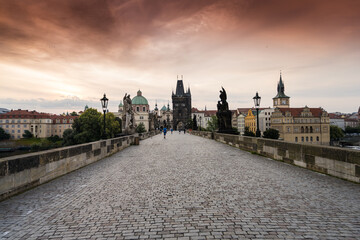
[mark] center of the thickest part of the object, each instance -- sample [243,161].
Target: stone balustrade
[339,162]
[21,172]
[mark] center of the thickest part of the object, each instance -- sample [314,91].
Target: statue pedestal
[224,120]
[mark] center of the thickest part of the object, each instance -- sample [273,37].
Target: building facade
[140,107]
[250,120]
[41,125]
[265,119]
[181,106]
[304,125]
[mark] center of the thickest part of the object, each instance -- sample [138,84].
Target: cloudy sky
[59,55]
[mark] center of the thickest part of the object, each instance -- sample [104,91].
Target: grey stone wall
[21,172]
[338,162]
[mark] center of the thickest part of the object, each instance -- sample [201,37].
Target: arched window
[302,139]
[296,139]
[311,139]
[311,129]
[137,109]
[302,129]
[317,139]
[307,139]
[306,129]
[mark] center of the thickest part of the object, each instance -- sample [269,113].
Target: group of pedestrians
[171,130]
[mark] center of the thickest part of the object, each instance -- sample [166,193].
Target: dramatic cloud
[54,49]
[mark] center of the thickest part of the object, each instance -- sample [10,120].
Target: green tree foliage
[112,126]
[88,126]
[140,128]
[74,114]
[3,134]
[120,123]
[271,133]
[212,124]
[69,137]
[248,133]
[27,134]
[336,133]
[349,129]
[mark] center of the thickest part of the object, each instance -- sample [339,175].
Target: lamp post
[104,103]
[257,99]
[200,123]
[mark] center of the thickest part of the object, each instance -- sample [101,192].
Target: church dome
[163,108]
[139,99]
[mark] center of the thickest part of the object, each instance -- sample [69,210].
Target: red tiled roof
[296,112]
[24,114]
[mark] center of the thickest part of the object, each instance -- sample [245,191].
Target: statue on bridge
[128,117]
[224,114]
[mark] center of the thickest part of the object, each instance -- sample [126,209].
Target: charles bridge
[181,187]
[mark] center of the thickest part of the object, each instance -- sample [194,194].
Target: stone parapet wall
[338,162]
[22,172]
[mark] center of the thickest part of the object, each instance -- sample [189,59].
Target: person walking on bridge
[164,130]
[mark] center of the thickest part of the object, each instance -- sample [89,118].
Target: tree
[349,129]
[140,128]
[74,114]
[212,124]
[112,126]
[271,133]
[248,132]
[87,126]
[27,134]
[68,137]
[4,135]
[336,133]
[120,122]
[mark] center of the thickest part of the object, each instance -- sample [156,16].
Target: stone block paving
[185,187]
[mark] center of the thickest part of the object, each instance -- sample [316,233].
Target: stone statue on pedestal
[128,117]
[224,114]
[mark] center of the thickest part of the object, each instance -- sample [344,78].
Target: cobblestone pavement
[185,187]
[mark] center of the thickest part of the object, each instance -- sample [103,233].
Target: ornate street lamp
[104,104]
[257,99]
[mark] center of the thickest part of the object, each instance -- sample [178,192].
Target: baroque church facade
[181,106]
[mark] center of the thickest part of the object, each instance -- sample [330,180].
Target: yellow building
[304,125]
[250,120]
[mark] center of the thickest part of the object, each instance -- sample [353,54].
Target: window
[18,121]
[307,139]
[0,120]
[302,139]
[24,125]
[302,129]
[12,126]
[7,121]
[144,109]
[296,139]
[306,129]
[137,109]
[18,131]
[12,131]
[18,126]
[311,129]
[7,126]
[311,139]
[317,139]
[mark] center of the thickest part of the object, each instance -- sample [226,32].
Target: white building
[265,119]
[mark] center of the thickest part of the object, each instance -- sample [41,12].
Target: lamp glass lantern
[104,102]
[257,100]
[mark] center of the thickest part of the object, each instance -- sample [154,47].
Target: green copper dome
[139,99]
[163,108]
